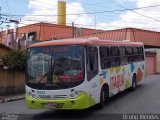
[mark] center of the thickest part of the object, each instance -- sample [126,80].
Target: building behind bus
[39,32]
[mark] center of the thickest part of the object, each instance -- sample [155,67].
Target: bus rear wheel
[134,82]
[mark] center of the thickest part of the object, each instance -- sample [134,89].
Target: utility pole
[0,13]
[1,22]
[7,32]
[1,29]
[95,22]
[40,31]
[16,22]
[73,34]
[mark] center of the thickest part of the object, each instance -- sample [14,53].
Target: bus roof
[94,42]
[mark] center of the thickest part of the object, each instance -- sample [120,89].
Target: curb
[4,100]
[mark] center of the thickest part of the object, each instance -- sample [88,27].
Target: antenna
[0,13]
[95,22]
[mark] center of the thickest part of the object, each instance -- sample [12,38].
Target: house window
[31,36]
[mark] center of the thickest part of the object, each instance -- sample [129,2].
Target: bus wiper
[41,79]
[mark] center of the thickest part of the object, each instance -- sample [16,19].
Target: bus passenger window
[141,53]
[115,57]
[92,62]
[123,58]
[129,53]
[104,57]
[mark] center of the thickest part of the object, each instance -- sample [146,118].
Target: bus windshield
[55,67]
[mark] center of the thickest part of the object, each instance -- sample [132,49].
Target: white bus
[80,73]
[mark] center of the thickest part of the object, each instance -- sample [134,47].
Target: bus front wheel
[104,96]
[102,100]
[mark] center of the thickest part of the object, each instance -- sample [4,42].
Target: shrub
[15,59]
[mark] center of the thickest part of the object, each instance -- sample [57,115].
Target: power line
[108,11]
[98,12]
[52,22]
[8,8]
[36,21]
[88,4]
[69,25]
[141,14]
[87,25]
[141,23]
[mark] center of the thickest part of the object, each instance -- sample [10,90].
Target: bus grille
[52,97]
[59,96]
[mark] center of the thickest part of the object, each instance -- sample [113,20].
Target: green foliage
[15,59]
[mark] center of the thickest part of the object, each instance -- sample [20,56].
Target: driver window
[92,62]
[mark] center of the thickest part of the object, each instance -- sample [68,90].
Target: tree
[15,59]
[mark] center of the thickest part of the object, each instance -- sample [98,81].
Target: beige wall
[11,81]
[158,60]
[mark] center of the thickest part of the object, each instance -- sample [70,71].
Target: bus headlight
[74,94]
[32,94]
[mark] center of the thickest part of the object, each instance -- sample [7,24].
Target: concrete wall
[11,82]
[158,60]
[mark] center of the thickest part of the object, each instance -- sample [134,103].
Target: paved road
[145,100]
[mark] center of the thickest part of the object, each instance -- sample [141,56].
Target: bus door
[92,71]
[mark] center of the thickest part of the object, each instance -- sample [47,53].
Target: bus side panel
[119,79]
[95,89]
[140,71]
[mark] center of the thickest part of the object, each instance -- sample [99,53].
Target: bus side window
[123,58]
[135,54]
[141,53]
[92,62]
[129,53]
[104,57]
[115,59]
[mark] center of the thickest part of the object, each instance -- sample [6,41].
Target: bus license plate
[50,105]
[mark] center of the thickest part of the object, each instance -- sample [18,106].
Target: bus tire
[102,99]
[134,82]
[106,91]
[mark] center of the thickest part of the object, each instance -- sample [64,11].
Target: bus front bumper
[83,101]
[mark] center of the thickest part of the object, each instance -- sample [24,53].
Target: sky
[97,14]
